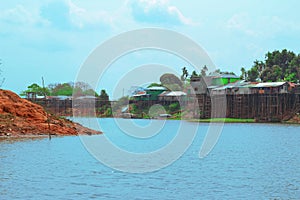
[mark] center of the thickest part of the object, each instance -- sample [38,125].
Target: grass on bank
[225,120]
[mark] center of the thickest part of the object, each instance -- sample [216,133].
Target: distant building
[296,89]
[172,96]
[148,94]
[238,87]
[199,85]
[87,97]
[31,96]
[272,88]
[223,79]
[243,87]
[203,85]
[60,97]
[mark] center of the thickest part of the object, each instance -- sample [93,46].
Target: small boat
[165,115]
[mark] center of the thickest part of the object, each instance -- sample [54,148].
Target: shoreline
[214,120]
[243,122]
[39,136]
[21,136]
[225,120]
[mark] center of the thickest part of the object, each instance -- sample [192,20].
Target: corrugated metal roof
[237,84]
[173,93]
[227,76]
[212,86]
[140,95]
[270,84]
[244,84]
[156,88]
[86,97]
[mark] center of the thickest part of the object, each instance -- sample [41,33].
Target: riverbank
[22,118]
[224,120]
[294,120]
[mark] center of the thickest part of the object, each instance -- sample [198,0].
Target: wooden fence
[262,107]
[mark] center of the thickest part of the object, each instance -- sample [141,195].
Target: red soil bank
[20,117]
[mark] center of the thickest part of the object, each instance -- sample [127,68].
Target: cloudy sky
[53,38]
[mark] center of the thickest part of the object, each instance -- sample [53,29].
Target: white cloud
[82,18]
[262,26]
[174,10]
[157,12]
[66,15]
[21,16]
[241,22]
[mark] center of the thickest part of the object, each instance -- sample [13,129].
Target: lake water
[249,161]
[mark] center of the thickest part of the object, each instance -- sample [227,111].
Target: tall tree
[194,74]
[61,89]
[184,74]
[244,74]
[204,70]
[103,95]
[271,74]
[278,66]
[36,89]
[252,74]
[293,72]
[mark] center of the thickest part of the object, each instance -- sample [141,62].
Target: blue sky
[53,38]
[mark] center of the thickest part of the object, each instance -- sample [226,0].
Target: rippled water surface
[250,161]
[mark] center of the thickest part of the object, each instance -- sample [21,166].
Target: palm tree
[184,74]
[244,73]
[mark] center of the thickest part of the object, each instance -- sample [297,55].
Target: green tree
[271,74]
[108,112]
[65,89]
[293,72]
[36,89]
[69,89]
[194,74]
[174,107]
[282,59]
[252,74]
[103,96]
[184,74]
[244,74]
[278,66]
[204,71]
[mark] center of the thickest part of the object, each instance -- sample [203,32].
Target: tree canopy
[278,66]
[36,89]
[103,95]
[63,89]
[185,74]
